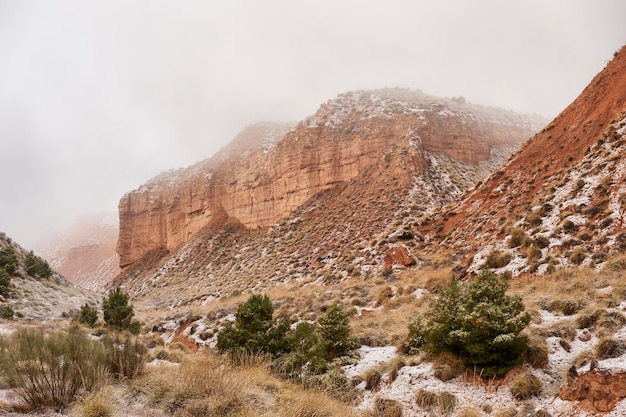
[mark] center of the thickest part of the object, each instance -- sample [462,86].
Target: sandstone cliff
[326,200]
[270,171]
[559,202]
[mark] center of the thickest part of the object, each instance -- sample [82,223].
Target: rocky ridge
[560,201]
[328,200]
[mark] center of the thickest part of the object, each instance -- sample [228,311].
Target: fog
[96,97]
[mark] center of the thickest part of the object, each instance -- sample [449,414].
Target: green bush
[256,330]
[8,260]
[117,311]
[7,313]
[475,321]
[51,370]
[5,282]
[36,266]
[335,333]
[88,315]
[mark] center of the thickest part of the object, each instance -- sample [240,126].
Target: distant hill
[86,253]
[41,299]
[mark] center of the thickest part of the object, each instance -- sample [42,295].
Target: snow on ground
[371,357]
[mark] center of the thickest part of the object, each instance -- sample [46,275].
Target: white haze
[96,97]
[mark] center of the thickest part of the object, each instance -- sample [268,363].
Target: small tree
[336,335]
[88,315]
[256,330]
[5,282]
[117,310]
[8,260]
[477,322]
[36,266]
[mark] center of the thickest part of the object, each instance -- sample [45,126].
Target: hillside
[40,298]
[335,196]
[560,201]
[86,253]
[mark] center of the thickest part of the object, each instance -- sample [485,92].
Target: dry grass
[210,385]
[526,386]
[447,366]
[97,404]
[384,407]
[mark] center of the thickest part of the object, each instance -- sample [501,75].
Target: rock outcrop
[269,170]
[598,391]
[559,202]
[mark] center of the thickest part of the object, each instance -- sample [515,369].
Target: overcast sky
[96,97]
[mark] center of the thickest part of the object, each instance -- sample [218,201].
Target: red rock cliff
[268,171]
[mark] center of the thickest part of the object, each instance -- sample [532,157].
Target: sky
[97,97]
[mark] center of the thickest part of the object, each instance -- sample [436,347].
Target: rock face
[86,254]
[598,391]
[562,195]
[269,171]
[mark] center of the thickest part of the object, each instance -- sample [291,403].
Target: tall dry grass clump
[51,370]
[198,386]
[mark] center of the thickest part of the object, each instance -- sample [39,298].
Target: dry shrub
[578,256]
[447,366]
[153,341]
[612,321]
[469,412]
[384,407]
[564,329]
[610,347]
[300,403]
[98,404]
[426,399]
[588,319]
[52,370]
[372,378]
[537,353]
[617,264]
[584,358]
[526,386]
[566,306]
[200,383]
[506,412]
[498,259]
[444,401]
[394,366]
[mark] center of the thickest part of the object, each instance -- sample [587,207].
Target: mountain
[335,195]
[32,297]
[561,199]
[86,253]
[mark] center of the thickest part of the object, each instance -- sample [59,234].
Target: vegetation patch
[476,321]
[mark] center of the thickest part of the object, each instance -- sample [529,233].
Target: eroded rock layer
[269,170]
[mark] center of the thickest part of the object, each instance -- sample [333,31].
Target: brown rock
[585,336]
[399,255]
[598,390]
